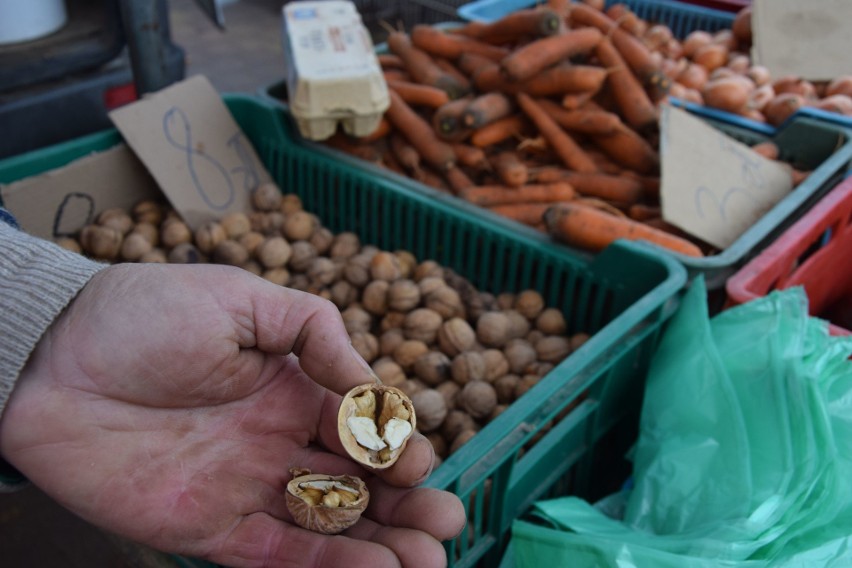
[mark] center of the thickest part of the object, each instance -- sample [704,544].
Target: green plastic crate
[623,297]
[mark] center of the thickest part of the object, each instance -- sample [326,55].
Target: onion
[760,97]
[729,93]
[693,76]
[841,104]
[795,84]
[742,26]
[841,85]
[711,56]
[782,106]
[695,41]
[739,63]
[759,74]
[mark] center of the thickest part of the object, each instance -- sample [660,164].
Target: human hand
[168,403]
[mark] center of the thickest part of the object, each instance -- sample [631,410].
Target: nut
[403,295]
[290,203]
[266,223]
[551,322]
[366,345]
[357,270]
[431,409]
[302,254]
[345,245]
[149,231]
[355,319]
[505,388]
[266,197]
[463,438]
[433,367]
[374,423]
[505,301]
[492,329]
[392,320]
[117,219]
[389,371]
[322,270]
[390,340]
[375,297]
[322,239]
[520,354]
[230,252]
[299,225]
[280,276]
[468,366]
[525,384]
[446,301]
[69,244]
[251,241]
[519,326]
[478,398]
[408,352]
[252,266]
[529,304]
[456,422]
[186,253]
[325,504]
[429,284]
[578,339]
[134,246]
[439,445]
[426,269]
[422,324]
[449,390]
[235,224]
[534,336]
[411,386]
[174,232]
[455,336]
[385,266]
[553,348]
[156,255]
[208,235]
[299,282]
[407,262]
[274,252]
[496,364]
[99,242]
[498,410]
[343,293]
[147,212]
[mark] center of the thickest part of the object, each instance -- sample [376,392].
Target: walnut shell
[455,336]
[345,245]
[326,504]
[551,322]
[478,398]
[529,303]
[385,266]
[403,295]
[389,371]
[492,329]
[266,197]
[322,239]
[431,409]
[299,226]
[235,224]
[208,235]
[422,324]
[374,423]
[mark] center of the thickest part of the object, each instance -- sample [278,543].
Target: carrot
[573,101]
[546,174]
[421,66]
[369,152]
[382,130]
[531,58]
[526,213]
[498,131]
[457,180]
[389,60]
[510,169]
[642,212]
[590,229]
[454,72]
[632,100]
[490,195]
[556,80]
[487,108]
[419,95]
[650,184]
[560,141]
[471,63]
[434,180]
[614,188]
[629,150]
[582,121]
[447,120]
[405,154]
[419,133]
[396,75]
[439,44]
[635,53]
[518,25]
[471,156]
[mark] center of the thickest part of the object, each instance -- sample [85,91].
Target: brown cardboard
[193,147]
[60,202]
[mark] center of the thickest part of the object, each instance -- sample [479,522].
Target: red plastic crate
[815,252]
[724,5]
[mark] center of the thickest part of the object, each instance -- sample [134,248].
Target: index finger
[291,321]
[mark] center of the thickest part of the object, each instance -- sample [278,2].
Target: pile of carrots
[548,116]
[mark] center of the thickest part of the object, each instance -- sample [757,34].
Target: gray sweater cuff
[38,279]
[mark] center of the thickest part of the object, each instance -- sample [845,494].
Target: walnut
[431,409]
[208,235]
[525,384]
[422,324]
[392,320]
[390,340]
[290,203]
[147,212]
[186,253]
[302,254]
[230,252]
[433,368]
[345,245]
[407,352]
[299,225]
[407,262]
[403,295]
[446,301]
[375,297]
[357,270]
[366,345]
[492,329]
[534,336]
[449,390]
[505,387]
[498,410]
[251,241]
[519,326]
[429,284]
[551,322]
[322,239]
[299,282]
[280,276]
[468,366]
[540,368]
[274,252]
[505,301]
[520,354]
[439,445]
[455,422]
[355,319]
[553,348]
[374,424]
[266,223]
[174,232]
[343,293]
[323,270]
[324,503]
[478,398]
[578,339]
[529,304]
[412,386]
[369,251]
[235,224]
[103,243]
[455,336]
[134,246]
[389,371]
[266,197]
[461,439]
[496,364]
[155,255]
[115,218]
[149,231]
[385,266]
[427,269]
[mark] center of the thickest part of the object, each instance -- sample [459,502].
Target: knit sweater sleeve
[38,279]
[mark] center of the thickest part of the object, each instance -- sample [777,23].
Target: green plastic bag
[743,456]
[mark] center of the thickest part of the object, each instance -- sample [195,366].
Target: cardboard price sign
[808,39]
[188,140]
[712,186]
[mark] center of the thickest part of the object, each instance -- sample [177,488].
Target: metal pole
[155,60]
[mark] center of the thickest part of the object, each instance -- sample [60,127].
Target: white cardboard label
[810,39]
[712,186]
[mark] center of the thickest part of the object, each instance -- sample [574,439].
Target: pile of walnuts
[460,354]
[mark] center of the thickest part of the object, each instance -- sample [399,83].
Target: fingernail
[365,365]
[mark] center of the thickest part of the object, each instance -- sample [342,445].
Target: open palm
[168,404]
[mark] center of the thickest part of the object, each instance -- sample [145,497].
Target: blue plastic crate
[681,18]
